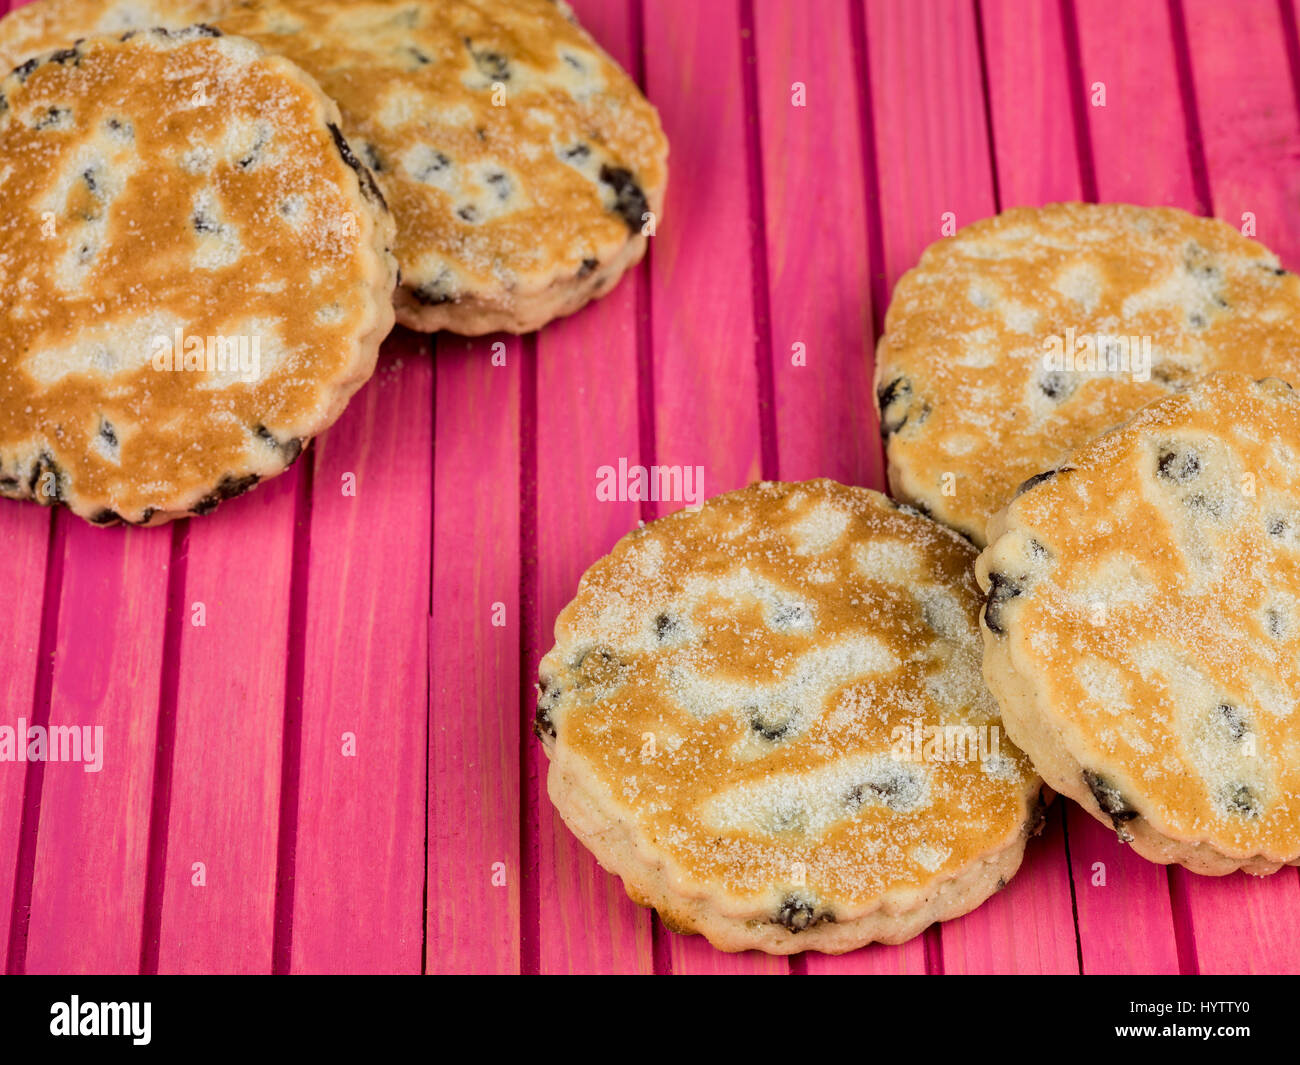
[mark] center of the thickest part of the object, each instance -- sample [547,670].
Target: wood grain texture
[359,862]
[809,124]
[1036,82]
[587,390]
[223,818]
[1246,102]
[474,722]
[934,164]
[707,365]
[88,884]
[25,536]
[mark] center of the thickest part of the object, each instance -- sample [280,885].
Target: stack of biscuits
[213,211]
[810,717]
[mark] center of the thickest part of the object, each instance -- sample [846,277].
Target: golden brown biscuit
[767,717]
[523,166]
[1027,334]
[194,273]
[1142,626]
[51,24]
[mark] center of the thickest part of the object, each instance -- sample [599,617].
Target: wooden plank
[809,122]
[473,924]
[1138,143]
[1139,137]
[1251,132]
[708,362]
[1035,85]
[933,162]
[218,893]
[25,532]
[818,276]
[586,417]
[359,866]
[1029,102]
[706,382]
[89,876]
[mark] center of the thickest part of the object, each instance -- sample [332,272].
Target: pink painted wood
[474,872]
[25,536]
[92,841]
[1038,161]
[358,867]
[707,367]
[934,165]
[587,395]
[1135,152]
[218,889]
[1246,94]
[414,613]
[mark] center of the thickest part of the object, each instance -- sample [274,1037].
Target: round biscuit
[766,715]
[1025,335]
[195,273]
[1142,626]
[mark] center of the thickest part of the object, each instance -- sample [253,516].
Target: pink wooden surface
[408,619]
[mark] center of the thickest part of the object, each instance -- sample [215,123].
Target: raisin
[771,723]
[587,267]
[1035,480]
[798,915]
[203,224]
[373,160]
[1111,802]
[1055,385]
[492,65]
[1177,466]
[1233,720]
[369,190]
[52,116]
[898,391]
[667,628]
[547,700]
[46,482]
[896,788]
[1001,589]
[227,488]
[629,201]
[289,449]
[1240,799]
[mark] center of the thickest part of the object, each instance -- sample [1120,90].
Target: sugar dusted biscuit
[1142,626]
[51,24]
[524,167]
[522,164]
[194,273]
[748,710]
[1027,334]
